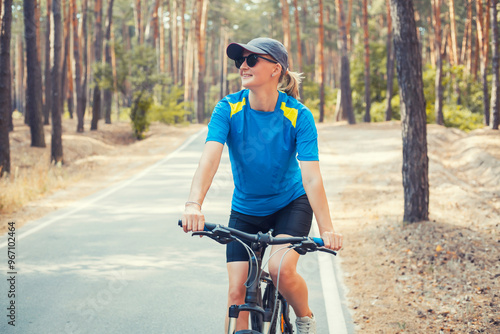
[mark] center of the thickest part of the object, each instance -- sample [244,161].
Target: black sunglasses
[251,60]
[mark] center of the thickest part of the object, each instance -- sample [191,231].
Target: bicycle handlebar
[261,238]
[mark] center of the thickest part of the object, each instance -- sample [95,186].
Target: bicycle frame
[260,317]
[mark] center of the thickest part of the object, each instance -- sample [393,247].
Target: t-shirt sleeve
[218,128]
[307,137]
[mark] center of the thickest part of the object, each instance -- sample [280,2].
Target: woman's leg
[291,285]
[237,272]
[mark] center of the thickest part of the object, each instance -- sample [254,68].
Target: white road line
[83,204]
[334,313]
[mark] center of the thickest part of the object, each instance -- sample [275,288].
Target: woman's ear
[276,71]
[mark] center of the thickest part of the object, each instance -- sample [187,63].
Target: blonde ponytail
[290,82]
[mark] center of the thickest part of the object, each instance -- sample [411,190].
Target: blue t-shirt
[263,149]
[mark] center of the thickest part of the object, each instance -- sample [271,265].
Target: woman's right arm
[193,219]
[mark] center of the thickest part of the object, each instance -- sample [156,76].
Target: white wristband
[193,202]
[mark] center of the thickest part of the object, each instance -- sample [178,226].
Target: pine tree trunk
[161,41]
[108,94]
[483,32]
[138,21]
[454,41]
[34,79]
[438,87]
[96,99]
[5,87]
[66,63]
[82,100]
[56,145]
[321,66]
[201,14]
[78,67]
[345,80]
[181,43]
[175,40]
[390,64]
[299,41]
[467,39]
[367,117]
[495,89]
[47,82]
[285,21]
[413,118]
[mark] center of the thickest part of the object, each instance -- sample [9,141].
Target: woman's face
[260,74]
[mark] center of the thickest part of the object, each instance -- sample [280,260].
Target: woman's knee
[236,294]
[285,271]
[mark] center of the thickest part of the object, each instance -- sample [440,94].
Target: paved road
[116,262]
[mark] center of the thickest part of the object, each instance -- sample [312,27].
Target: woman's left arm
[313,185]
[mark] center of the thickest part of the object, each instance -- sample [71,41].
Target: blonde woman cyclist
[272,142]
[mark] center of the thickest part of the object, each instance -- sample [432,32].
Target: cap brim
[235,50]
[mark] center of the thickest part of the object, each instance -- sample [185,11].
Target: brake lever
[217,234]
[305,246]
[327,250]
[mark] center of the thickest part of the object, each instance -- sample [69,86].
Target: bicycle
[263,307]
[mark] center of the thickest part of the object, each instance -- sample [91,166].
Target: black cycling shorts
[294,219]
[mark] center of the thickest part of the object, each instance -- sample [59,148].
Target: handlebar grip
[319,242]
[208,226]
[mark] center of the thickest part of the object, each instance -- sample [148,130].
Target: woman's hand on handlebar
[332,240]
[193,219]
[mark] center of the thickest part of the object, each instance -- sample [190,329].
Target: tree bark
[413,118]
[5,87]
[174,40]
[34,79]
[78,67]
[66,63]
[56,155]
[390,64]
[438,87]
[321,66]
[96,100]
[82,100]
[138,21]
[182,40]
[285,21]
[467,39]
[495,89]
[345,80]
[108,94]
[454,41]
[201,22]
[483,32]
[161,41]
[367,117]
[47,82]
[299,41]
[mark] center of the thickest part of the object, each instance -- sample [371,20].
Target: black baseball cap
[261,45]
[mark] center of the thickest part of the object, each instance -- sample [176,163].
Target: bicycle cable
[250,253]
[276,294]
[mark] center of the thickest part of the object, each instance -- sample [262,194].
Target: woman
[273,149]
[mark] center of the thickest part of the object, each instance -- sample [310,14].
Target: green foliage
[138,114]
[462,109]
[378,109]
[378,83]
[310,99]
[171,110]
[143,78]
[462,118]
